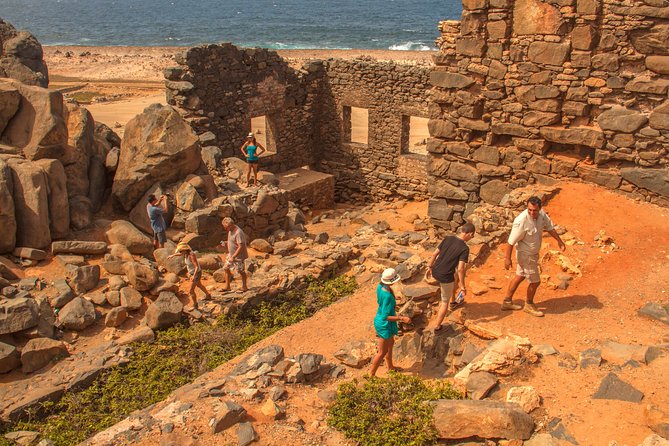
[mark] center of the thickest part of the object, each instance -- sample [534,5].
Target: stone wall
[390,92]
[219,88]
[529,91]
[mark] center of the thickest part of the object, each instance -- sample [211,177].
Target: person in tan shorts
[526,235]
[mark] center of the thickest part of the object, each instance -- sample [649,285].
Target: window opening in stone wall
[356,124]
[414,135]
[261,127]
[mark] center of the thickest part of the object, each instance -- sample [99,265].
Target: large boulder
[9,358]
[59,208]
[175,265]
[81,212]
[125,233]
[97,182]
[81,137]
[83,278]
[455,419]
[78,314]
[38,128]
[158,146]
[138,215]
[164,312]
[7,216]
[10,99]
[18,314]
[21,56]
[141,277]
[39,352]
[31,204]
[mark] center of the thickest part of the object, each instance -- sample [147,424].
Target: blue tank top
[251,153]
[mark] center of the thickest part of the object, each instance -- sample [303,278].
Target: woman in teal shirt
[252,151]
[385,322]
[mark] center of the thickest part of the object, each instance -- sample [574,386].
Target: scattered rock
[544,350]
[246,434]
[83,278]
[455,419]
[479,384]
[356,354]
[261,245]
[131,299]
[619,354]
[139,334]
[23,438]
[78,247]
[140,277]
[9,358]
[77,314]
[39,352]
[115,317]
[655,311]
[17,314]
[269,355]
[272,410]
[164,312]
[657,420]
[613,388]
[525,396]
[124,233]
[590,357]
[231,414]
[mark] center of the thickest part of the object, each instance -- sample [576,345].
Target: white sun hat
[389,276]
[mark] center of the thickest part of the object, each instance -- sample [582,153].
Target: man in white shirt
[526,234]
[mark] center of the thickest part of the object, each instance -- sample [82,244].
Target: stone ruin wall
[219,88]
[389,92]
[529,91]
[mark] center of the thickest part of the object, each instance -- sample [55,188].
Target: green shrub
[389,411]
[177,356]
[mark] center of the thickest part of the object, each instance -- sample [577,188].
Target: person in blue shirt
[385,322]
[155,209]
[252,150]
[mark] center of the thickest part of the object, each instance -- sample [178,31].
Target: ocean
[275,24]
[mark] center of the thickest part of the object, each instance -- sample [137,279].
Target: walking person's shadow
[491,312]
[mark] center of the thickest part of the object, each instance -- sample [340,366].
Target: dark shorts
[197,276]
[252,161]
[160,237]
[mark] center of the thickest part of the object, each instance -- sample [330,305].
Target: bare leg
[203,288]
[243,275]
[226,280]
[380,353]
[531,291]
[389,353]
[513,286]
[248,174]
[443,309]
[191,292]
[255,174]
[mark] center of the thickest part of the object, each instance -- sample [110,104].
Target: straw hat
[389,276]
[181,247]
[250,135]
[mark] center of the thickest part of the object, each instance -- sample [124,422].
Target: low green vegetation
[177,357]
[389,411]
[84,97]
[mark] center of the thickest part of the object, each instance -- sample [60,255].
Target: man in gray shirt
[155,209]
[237,253]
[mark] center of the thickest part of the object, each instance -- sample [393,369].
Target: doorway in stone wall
[261,127]
[414,135]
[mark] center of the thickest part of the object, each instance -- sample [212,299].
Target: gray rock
[309,362]
[131,299]
[29,253]
[18,314]
[655,311]
[77,314]
[231,414]
[590,357]
[544,350]
[115,317]
[39,352]
[65,259]
[269,355]
[613,388]
[246,434]
[23,437]
[175,265]
[83,278]
[277,392]
[621,119]
[479,384]
[284,248]
[356,353]
[164,312]
[140,277]
[125,233]
[78,247]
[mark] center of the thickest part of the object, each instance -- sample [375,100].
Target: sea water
[275,24]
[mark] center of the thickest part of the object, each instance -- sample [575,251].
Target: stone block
[446,79]
[658,64]
[583,37]
[440,128]
[606,178]
[456,419]
[538,146]
[536,17]
[605,62]
[621,119]
[586,136]
[655,180]
[548,53]
[540,119]
[493,191]
[439,209]
[470,46]
[647,85]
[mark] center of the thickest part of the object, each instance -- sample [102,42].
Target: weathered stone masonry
[219,88]
[529,91]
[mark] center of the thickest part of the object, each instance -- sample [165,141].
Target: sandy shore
[116,83]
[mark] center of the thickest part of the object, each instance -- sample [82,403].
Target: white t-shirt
[526,232]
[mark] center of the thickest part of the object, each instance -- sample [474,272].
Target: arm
[243,149]
[163,201]
[556,236]
[261,149]
[462,266]
[387,305]
[430,264]
[508,249]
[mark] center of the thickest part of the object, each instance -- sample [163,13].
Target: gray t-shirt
[156,217]
[237,238]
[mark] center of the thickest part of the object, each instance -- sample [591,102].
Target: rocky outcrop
[80,140]
[39,352]
[21,56]
[31,204]
[7,215]
[455,419]
[38,127]
[158,146]
[59,209]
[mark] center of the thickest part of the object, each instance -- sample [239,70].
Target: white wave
[411,46]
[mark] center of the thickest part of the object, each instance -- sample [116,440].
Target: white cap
[250,135]
[389,276]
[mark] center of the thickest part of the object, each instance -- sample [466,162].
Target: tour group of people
[448,266]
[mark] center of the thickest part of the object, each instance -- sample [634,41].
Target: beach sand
[116,83]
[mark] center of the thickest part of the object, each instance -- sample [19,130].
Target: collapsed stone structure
[532,91]
[219,88]
[21,56]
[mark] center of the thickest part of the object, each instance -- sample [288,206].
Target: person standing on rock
[194,271]
[451,255]
[156,208]
[251,149]
[237,253]
[385,321]
[526,235]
